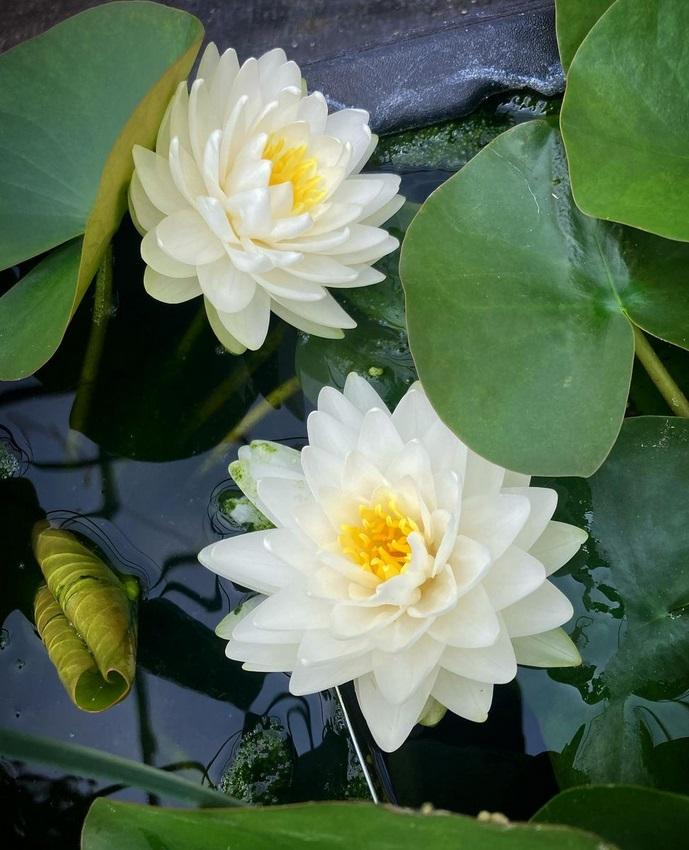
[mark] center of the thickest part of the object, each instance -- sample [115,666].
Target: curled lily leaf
[85,616]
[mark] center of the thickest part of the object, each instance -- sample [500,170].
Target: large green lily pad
[519,307]
[321,826]
[74,101]
[622,715]
[573,20]
[625,117]
[634,818]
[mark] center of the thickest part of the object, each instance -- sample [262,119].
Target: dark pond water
[125,438]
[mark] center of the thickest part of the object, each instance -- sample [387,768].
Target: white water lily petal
[543,609]
[245,560]
[224,336]
[308,679]
[305,325]
[143,211]
[465,697]
[161,262]
[495,664]
[170,290]
[228,289]
[185,236]
[252,171]
[543,504]
[319,646]
[557,545]
[330,434]
[513,576]
[549,649]
[263,657]
[471,623]
[390,723]
[321,469]
[494,521]
[398,562]
[400,675]
[291,609]
[153,173]
[249,325]
[353,621]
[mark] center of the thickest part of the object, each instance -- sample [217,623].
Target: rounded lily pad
[520,308]
[625,117]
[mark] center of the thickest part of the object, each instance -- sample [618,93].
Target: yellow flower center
[292,165]
[379,543]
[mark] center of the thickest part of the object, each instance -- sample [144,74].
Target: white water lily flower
[254,199]
[401,560]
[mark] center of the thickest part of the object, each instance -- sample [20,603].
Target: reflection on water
[142,488]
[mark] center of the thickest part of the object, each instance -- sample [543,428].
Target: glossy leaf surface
[573,20]
[518,307]
[625,117]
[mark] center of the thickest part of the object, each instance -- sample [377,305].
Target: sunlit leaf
[85,616]
[625,117]
[320,826]
[519,307]
[634,818]
[74,101]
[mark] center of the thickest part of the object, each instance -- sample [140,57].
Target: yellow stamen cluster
[291,165]
[379,543]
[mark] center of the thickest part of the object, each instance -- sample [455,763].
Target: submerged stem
[657,372]
[102,304]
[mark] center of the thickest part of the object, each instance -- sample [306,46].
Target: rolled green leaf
[85,615]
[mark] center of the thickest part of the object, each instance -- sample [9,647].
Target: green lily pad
[573,20]
[519,307]
[321,826]
[633,818]
[625,117]
[622,715]
[85,616]
[74,102]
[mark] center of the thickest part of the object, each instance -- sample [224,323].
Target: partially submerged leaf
[74,101]
[608,719]
[634,818]
[85,616]
[88,762]
[625,117]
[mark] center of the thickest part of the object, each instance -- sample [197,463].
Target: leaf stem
[102,304]
[85,761]
[657,372]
